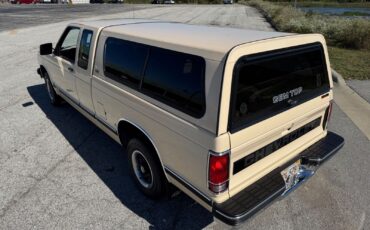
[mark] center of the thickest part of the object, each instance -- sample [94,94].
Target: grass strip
[348,39]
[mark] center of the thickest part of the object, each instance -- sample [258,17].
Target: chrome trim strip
[210,152]
[68,96]
[87,109]
[193,189]
[219,154]
[112,128]
[219,184]
[104,123]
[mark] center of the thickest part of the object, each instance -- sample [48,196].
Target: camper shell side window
[171,77]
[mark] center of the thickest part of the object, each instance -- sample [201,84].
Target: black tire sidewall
[158,188]
[56,99]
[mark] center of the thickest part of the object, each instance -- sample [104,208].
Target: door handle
[70,69]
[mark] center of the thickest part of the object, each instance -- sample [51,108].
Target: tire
[145,169]
[55,99]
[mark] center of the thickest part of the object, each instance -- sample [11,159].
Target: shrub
[343,32]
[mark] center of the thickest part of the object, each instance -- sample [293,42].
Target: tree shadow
[107,159]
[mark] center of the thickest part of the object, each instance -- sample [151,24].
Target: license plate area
[291,175]
[295,175]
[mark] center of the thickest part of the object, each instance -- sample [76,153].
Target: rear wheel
[55,99]
[145,169]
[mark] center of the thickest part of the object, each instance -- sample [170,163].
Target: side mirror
[46,49]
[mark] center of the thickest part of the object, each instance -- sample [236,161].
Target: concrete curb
[337,78]
[352,104]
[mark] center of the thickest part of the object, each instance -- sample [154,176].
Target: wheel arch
[127,130]
[42,70]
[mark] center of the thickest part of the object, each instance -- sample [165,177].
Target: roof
[208,41]
[102,23]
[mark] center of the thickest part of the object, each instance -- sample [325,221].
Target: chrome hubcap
[142,169]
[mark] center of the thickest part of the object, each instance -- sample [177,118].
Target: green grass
[338,31]
[351,64]
[328,4]
[348,39]
[354,13]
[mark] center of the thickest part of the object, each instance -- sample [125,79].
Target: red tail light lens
[218,172]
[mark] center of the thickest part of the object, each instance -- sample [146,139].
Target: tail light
[218,171]
[327,115]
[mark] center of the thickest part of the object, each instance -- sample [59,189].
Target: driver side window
[68,44]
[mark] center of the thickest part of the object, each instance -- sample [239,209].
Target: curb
[352,104]
[337,78]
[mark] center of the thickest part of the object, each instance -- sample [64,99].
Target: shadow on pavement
[107,159]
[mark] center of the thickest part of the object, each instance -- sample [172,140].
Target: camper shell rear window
[269,83]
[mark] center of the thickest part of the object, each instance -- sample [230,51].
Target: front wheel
[55,99]
[145,169]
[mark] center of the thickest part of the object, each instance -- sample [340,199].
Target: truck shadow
[107,159]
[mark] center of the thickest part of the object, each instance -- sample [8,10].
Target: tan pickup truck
[234,118]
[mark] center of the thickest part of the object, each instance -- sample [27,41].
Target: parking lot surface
[361,87]
[21,16]
[58,171]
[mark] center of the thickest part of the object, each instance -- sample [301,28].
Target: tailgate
[277,106]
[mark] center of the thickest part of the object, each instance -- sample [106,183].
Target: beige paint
[256,136]
[83,77]
[182,141]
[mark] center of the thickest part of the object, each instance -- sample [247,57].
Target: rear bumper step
[257,196]
[322,150]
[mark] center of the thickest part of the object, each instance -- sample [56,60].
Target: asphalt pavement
[362,87]
[22,16]
[58,171]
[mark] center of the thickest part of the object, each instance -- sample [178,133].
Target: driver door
[65,54]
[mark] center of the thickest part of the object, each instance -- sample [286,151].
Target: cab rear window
[269,83]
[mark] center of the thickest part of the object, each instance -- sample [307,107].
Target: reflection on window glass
[67,49]
[271,82]
[71,39]
[84,51]
[174,78]
[177,79]
[124,61]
